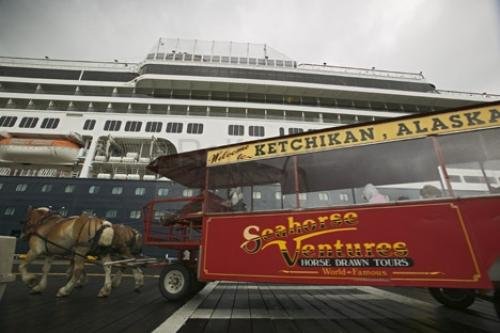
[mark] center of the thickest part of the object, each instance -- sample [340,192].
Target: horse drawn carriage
[294,209]
[291,209]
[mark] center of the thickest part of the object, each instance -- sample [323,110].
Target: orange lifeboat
[38,151]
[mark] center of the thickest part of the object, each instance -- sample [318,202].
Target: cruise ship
[78,135]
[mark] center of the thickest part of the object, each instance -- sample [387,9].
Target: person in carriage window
[236,199]
[372,195]
[430,191]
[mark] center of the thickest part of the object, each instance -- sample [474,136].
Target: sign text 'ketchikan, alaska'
[449,122]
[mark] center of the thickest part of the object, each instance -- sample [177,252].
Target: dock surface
[237,307]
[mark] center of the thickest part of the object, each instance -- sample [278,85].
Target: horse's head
[34,218]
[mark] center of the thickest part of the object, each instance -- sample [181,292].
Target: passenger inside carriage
[235,202]
[430,191]
[372,195]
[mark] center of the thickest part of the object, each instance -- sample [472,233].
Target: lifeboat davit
[38,150]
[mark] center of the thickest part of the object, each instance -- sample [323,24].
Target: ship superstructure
[84,122]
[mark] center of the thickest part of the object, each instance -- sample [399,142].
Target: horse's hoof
[104,292]
[61,294]
[35,291]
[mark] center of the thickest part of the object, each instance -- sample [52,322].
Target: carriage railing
[173,223]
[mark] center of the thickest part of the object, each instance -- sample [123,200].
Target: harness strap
[47,241]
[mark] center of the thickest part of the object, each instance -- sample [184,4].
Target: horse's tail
[107,234]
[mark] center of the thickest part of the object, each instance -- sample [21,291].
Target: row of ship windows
[117,190]
[94,189]
[140,191]
[131,126]
[183,56]
[137,214]
[109,214]
[29,122]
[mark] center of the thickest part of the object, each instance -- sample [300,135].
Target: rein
[56,245]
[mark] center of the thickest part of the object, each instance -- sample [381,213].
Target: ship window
[117,190]
[50,122]
[277,195]
[257,195]
[63,211]
[302,196]
[455,178]
[252,61]
[112,125]
[111,213]
[140,191]
[294,130]
[344,197]
[153,126]
[46,188]
[323,196]
[94,189]
[9,211]
[7,121]
[236,130]
[28,122]
[21,187]
[477,179]
[162,192]
[187,192]
[135,214]
[174,127]
[194,128]
[133,126]
[89,124]
[256,130]
[69,189]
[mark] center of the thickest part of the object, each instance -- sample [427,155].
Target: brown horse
[127,243]
[50,234]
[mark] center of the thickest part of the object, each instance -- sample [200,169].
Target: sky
[455,43]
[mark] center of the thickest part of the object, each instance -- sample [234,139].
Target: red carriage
[302,209]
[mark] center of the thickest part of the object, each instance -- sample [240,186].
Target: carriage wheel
[454,298]
[175,282]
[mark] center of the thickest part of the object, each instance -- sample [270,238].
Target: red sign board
[413,244]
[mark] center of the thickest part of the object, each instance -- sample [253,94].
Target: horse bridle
[29,229]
